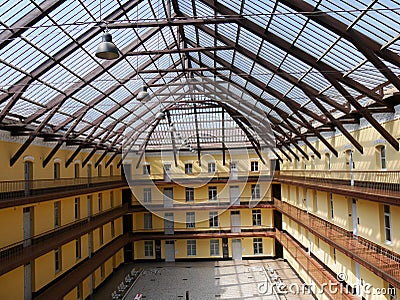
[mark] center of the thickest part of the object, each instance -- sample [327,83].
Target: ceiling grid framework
[304,67]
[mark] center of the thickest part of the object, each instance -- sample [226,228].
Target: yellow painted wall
[12,284]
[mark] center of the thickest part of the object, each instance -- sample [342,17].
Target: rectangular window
[190,220]
[146,169]
[233,166]
[147,195]
[189,194]
[79,291]
[331,205]
[254,166]
[387,223]
[112,228]
[334,255]
[101,235]
[212,193]
[214,247]
[99,171]
[102,271]
[148,221]
[57,214]
[256,217]
[100,201]
[188,168]
[78,252]
[382,157]
[77,208]
[213,218]
[76,170]
[112,199]
[56,170]
[57,260]
[255,191]
[257,246]
[315,201]
[211,167]
[111,171]
[148,248]
[191,247]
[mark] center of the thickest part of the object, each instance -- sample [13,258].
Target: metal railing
[23,188]
[372,180]
[17,248]
[363,250]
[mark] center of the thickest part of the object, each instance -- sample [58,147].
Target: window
[190,220]
[213,217]
[111,171]
[191,247]
[331,205]
[334,255]
[76,170]
[112,199]
[101,239]
[254,166]
[102,271]
[214,247]
[112,228]
[57,260]
[78,252]
[387,224]
[189,194]
[146,169]
[188,168]
[100,201]
[255,191]
[56,170]
[233,166]
[327,161]
[148,248]
[315,201]
[391,292]
[382,157]
[99,171]
[211,167]
[212,193]
[256,217]
[148,221]
[57,214]
[77,208]
[147,195]
[257,246]
[79,291]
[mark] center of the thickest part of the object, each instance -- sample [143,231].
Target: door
[28,176]
[169,223]
[168,197]
[89,173]
[354,216]
[225,248]
[126,170]
[235,221]
[358,279]
[169,251]
[158,250]
[28,281]
[237,249]
[234,194]
[28,225]
[234,170]
[167,172]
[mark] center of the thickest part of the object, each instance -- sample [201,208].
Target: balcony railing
[313,268]
[26,188]
[374,257]
[371,180]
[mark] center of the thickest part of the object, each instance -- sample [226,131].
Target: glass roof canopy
[306,67]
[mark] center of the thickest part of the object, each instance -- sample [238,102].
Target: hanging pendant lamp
[143,95]
[107,49]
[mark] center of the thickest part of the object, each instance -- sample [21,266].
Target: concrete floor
[203,280]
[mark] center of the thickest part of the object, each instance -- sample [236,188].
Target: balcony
[24,251]
[316,271]
[380,186]
[20,192]
[200,177]
[379,260]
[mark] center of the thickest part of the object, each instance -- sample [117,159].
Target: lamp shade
[143,94]
[107,49]
[160,115]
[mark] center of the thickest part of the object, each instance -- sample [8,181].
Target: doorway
[234,194]
[235,221]
[169,223]
[167,172]
[237,249]
[169,250]
[28,177]
[354,216]
[168,197]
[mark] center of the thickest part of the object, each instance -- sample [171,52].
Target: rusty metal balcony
[380,186]
[24,251]
[316,271]
[381,261]
[21,192]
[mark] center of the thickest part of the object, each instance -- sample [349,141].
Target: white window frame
[190,219]
[188,168]
[256,217]
[211,191]
[211,167]
[213,219]
[148,249]
[387,224]
[254,166]
[257,246]
[146,169]
[331,206]
[214,248]
[147,195]
[189,194]
[147,221]
[191,248]
[255,192]
[382,157]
